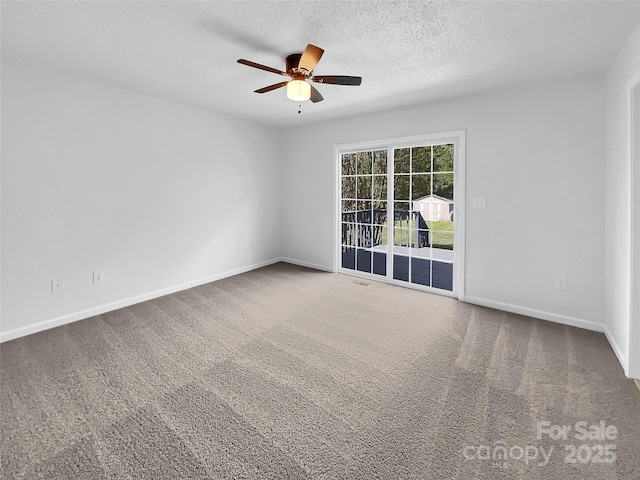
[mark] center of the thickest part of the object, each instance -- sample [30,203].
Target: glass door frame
[455,137]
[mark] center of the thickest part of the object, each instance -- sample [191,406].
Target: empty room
[320,240]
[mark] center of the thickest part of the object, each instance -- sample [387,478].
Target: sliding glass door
[364,186]
[396,214]
[423,201]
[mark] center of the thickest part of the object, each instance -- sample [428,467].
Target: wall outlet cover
[479,203]
[57,286]
[561,283]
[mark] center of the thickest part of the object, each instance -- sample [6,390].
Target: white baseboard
[616,349]
[300,263]
[541,314]
[91,312]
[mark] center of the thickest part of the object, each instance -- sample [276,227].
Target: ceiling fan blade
[261,67]
[310,58]
[315,95]
[271,87]
[337,80]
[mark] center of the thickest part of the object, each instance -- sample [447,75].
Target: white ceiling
[186,51]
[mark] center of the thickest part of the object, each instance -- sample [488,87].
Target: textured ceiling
[186,51]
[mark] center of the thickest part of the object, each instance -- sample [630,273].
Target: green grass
[440,233]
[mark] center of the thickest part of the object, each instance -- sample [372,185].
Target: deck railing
[368,228]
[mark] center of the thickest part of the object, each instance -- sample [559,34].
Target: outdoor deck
[364,249]
[436,254]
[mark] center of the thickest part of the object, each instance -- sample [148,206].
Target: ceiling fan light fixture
[298,90]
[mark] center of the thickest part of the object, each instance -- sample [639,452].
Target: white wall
[618,261]
[158,195]
[523,145]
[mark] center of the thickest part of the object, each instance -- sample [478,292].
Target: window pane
[423,238]
[401,160]
[348,257]
[364,236]
[348,234]
[400,211]
[364,212]
[442,239]
[380,161]
[383,235]
[379,188]
[363,261]
[397,236]
[423,209]
[349,164]
[401,187]
[364,162]
[442,275]
[421,186]
[379,235]
[380,213]
[348,206]
[379,263]
[443,185]
[421,271]
[443,158]
[348,187]
[402,236]
[421,159]
[364,187]
[401,268]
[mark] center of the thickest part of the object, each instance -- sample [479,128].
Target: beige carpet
[285,372]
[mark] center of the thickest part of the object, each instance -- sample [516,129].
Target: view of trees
[419,171]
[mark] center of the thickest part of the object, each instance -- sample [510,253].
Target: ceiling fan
[299,66]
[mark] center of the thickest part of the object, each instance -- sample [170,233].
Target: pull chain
[299,107]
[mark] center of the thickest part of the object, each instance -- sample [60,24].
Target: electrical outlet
[57,286]
[561,283]
[479,203]
[98,276]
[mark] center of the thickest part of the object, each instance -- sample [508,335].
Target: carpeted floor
[285,372]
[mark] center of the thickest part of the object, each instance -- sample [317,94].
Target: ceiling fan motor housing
[292,63]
